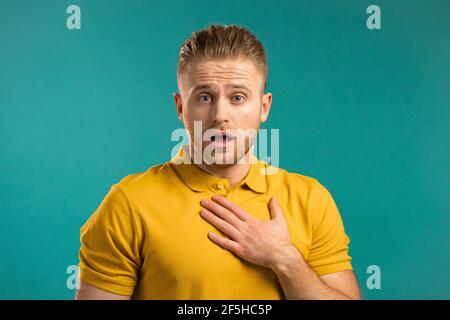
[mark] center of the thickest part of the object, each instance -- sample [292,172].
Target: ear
[178,105]
[266,103]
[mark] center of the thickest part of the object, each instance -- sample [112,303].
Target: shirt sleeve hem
[332,268]
[94,280]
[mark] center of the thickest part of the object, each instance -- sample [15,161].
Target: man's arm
[109,255]
[88,292]
[299,281]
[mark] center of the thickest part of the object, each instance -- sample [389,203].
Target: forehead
[222,72]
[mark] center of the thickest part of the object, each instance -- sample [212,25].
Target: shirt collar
[199,180]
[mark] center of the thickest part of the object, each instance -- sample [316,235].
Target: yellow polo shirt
[147,239]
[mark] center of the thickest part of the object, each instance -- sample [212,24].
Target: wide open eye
[204,98]
[237,98]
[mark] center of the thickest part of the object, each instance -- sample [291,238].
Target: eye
[238,98]
[204,98]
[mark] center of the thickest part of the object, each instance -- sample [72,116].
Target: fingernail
[204,201]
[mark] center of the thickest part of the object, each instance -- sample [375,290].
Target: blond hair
[221,41]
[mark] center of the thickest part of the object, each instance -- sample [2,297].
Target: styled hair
[222,41]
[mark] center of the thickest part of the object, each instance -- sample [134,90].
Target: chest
[177,239]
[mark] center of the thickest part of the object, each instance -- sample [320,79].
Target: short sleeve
[330,243]
[109,255]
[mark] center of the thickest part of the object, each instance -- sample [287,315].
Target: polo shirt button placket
[221,189]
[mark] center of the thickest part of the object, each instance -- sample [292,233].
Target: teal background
[365,112]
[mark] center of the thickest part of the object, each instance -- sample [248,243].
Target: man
[227,226]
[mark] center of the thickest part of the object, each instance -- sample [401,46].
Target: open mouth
[221,138]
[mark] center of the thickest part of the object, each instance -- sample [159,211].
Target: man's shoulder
[285,176]
[155,176]
[295,181]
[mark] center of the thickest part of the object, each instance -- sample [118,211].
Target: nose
[219,112]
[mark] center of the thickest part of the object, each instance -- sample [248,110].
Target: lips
[224,137]
[221,138]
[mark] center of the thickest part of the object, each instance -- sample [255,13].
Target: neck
[234,173]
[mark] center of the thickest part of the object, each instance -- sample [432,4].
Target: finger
[222,212]
[275,209]
[231,206]
[225,243]
[220,224]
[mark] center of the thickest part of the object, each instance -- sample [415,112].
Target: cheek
[247,117]
[195,113]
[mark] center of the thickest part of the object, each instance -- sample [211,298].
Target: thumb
[275,209]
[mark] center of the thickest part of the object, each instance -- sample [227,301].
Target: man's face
[226,96]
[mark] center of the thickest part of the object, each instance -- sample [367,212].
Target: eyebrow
[239,86]
[233,86]
[201,86]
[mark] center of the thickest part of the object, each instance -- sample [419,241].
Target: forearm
[300,282]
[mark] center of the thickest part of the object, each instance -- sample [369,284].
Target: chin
[224,157]
[230,159]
